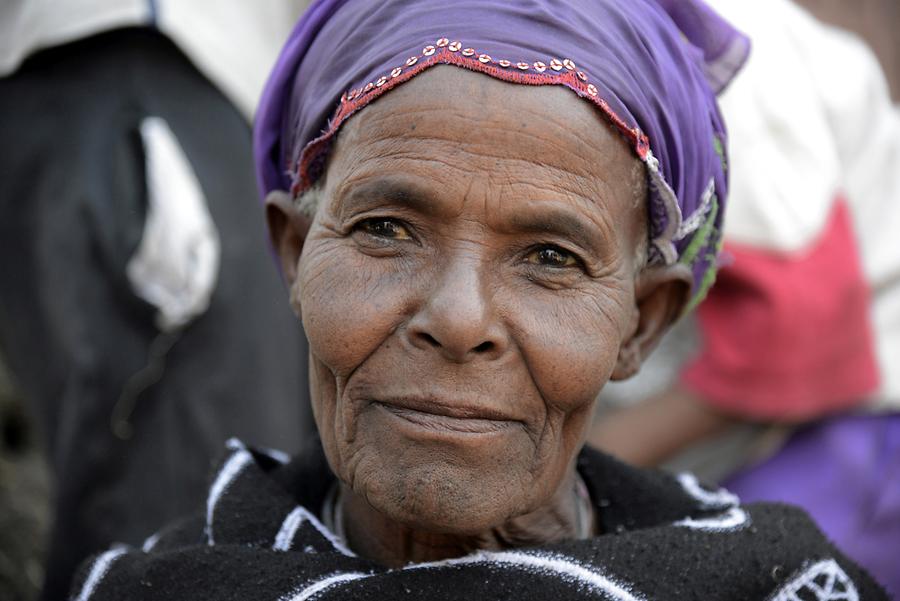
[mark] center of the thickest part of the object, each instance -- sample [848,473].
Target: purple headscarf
[651,66]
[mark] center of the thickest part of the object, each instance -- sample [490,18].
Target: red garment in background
[788,336]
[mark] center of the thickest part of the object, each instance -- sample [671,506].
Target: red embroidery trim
[354,100]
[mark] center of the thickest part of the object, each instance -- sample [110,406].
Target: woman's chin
[442,506]
[440,492]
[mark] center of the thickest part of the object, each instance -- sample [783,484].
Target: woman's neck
[568,515]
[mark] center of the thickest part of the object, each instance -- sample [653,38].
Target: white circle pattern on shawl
[553,566]
[824,579]
[708,499]
[732,517]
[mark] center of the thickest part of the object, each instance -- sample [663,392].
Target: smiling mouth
[432,415]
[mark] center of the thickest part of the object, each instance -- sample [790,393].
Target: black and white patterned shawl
[665,538]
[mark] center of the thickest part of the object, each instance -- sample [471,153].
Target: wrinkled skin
[473,276]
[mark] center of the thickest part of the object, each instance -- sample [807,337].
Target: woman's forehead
[452,126]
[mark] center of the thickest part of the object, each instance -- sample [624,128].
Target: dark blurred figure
[136,291]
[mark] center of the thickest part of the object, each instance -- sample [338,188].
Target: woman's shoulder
[629,498]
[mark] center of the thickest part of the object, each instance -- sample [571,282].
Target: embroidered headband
[652,67]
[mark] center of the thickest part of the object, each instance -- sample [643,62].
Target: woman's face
[468,285]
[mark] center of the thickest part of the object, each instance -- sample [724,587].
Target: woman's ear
[661,295]
[288,228]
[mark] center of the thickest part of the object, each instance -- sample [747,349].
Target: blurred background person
[135,291]
[787,384]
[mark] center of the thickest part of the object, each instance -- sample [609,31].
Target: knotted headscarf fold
[652,67]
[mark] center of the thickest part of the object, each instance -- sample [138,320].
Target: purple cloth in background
[657,63]
[845,471]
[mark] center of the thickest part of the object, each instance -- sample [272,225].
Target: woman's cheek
[570,350]
[349,303]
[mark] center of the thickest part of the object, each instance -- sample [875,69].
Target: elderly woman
[485,211]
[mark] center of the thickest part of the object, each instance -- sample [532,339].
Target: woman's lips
[437,416]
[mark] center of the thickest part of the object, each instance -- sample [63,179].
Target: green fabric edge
[700,241]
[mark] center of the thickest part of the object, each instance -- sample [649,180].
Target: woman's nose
[458,319]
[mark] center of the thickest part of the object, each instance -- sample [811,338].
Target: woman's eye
[551,256]
[385,228]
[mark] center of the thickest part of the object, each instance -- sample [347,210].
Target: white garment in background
[233,42]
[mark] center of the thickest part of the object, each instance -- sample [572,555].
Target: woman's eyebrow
[381,191]
[563,224]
